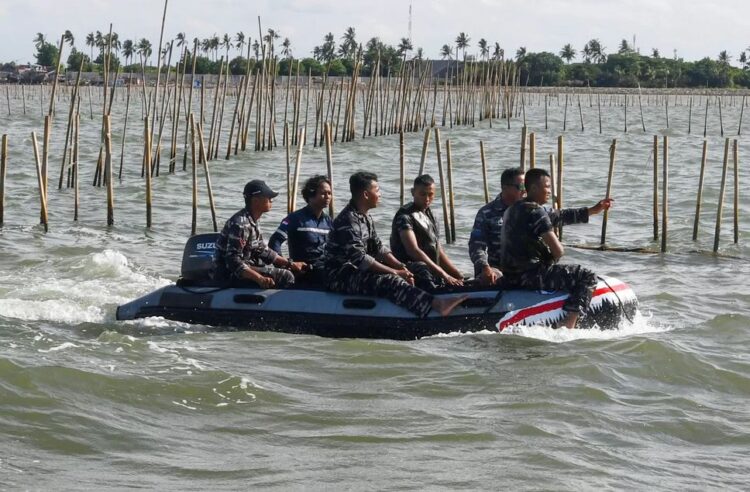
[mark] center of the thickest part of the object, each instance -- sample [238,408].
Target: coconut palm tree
[593,51]
[498,53]
[128,50]
[724,57]
[348,47]
[484,50]
[419,55]
[462,42]
[624,47]
[68,38]
[446,52]
[256,49]
[286,49]
[180,39]
[743,59]
[144,50]
[567,53]
[520,53]
[226,42]
[40,40]
[91,42]
[240,42]
[404,47]
[654,53]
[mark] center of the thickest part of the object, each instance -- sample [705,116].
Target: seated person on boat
[484,241]
[305,230]
[415,240]
[242,254]
[357,262]
[530,249]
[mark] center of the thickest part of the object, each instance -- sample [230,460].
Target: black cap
[258,187]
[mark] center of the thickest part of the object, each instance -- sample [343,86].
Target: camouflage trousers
[576,280]
[281,277]
[423,277]
[349,280]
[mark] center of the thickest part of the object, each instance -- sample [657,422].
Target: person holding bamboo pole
[530,249]
[241,253]
[358,263]
[305,231]
[415,240]
[484,241]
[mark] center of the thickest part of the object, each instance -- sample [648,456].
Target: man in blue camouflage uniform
[305,230]
[484,241]
[357,262]
[241,253]
[530,249]
[415,240]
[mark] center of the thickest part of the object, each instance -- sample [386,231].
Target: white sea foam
[57,348]
[77,293]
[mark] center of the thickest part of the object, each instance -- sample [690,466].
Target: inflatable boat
[307,310]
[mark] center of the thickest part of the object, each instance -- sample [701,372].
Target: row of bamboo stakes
[445,177]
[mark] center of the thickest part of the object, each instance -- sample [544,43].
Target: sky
[694,29]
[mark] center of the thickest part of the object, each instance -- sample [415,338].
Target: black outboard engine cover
[198,258]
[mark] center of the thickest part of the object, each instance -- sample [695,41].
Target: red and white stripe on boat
[550,310]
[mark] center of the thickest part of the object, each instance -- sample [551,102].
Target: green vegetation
[591,66]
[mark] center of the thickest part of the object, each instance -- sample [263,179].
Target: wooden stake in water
[665,195]
[484,173]
[108,170]
[147,168]
[700,191]
[523,147]
[40,181]
[721,195]
[425,143]
[443,191]
[735,158]
[329,164]
[721,119]
[532,150]
[560,168]
[3,169]
[194,175]
[297,167]
[612,151]
[705,119]
[451,197]
[655,153]
[208,176]
[742,111]
[402,165]
[74,165]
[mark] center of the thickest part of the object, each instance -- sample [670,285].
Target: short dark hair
[509,175]
[361,181]
[312,185]
[423,180]
[533,176]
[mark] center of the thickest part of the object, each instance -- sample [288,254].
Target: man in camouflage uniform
[357,262]
[415,240]
[484,241]
[241,253]
[530,249]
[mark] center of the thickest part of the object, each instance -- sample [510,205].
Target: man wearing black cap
[241,252]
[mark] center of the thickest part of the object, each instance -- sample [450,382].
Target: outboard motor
[198,258]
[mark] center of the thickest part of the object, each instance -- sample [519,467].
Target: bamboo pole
[3,169]
[700,191]
[655,153]
[108,170]
[287,145]
[560,169]
[40,181]
[580,113]
[124,132]
[425,143]
[612,152]
[665,194]
[666,109]
[742,111]
[484,173]
[532,150]
[721,118]
[206,171]
[451,197]
[735,158]
[329,164]
[705,119]
[297,167]
[599,106]
[402,166]
[721,195]
[690,115]
[524,129]
[640,105]
[626,113]
[443,192]
[147,167]
[194,176]
[74,163]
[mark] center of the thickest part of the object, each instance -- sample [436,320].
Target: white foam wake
[78,292]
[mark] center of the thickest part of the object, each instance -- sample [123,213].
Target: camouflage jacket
[240,246]
[484,241]
[353,240]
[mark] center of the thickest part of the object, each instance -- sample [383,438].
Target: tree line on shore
[591,66]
